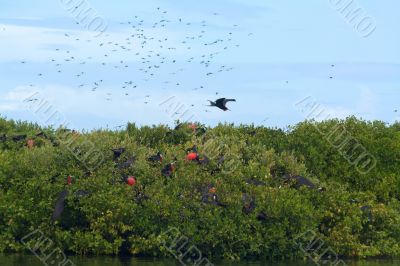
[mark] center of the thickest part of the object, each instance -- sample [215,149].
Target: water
[21,260]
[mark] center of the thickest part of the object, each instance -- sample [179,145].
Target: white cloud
[87,105]
[368,101]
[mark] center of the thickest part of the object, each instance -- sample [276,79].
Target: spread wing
[225,101]
[221,102]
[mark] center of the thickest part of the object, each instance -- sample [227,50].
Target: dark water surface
[21,260]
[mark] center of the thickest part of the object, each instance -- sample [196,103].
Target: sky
[268,55]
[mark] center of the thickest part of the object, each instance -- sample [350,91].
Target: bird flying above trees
[221,103]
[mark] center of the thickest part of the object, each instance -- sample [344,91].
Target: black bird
[193,149]
[140,196]
[214,200]
[54,178]
[128,163]
[168,170]
[41,135]
[158,158]
[221,103]
[262,217]
[302,181]
[3,138]
[178,126]
[202,160]
[209,196]
[299,181]
[118,152]
[18,138]
[200,131]
[216,170]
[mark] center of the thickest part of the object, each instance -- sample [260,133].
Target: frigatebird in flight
[221,103]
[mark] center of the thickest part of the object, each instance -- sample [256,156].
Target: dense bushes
[357,213]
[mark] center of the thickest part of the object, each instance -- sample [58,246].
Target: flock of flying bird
[150,53]
[162,51]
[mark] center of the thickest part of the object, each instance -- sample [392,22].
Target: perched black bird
[18,138]
[200,131]
[213,200]
[216,170]
[140,196]
[118,152]
[262,217]
[178,126]
[209,196]
[41,134]
[193,149]
[299,181]
[168,170]
[54,178]
[88,174]
[55,142]
[302,181]
[202,160]
[127,163]
[221,103]
[158,158]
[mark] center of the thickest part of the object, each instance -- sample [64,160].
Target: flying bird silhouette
[221,103]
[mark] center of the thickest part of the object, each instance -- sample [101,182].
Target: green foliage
[357,213]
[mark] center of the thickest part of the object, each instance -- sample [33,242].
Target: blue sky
[279,52]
